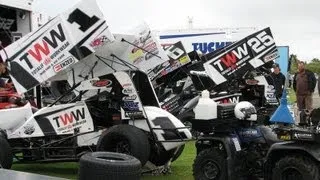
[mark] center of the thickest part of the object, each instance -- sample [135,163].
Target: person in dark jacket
[304,83]
[278,80]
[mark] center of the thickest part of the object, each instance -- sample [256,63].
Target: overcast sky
[295,23]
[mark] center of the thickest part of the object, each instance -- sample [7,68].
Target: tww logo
[230,59]
[42,48]
[69,118]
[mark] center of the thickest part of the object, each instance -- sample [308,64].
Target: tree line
[313,65]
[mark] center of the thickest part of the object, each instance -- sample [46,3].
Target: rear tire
[210,164]
[125,139]
[6,157]
[295,167]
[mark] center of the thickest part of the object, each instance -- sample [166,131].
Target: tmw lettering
[40,49]
[68,118]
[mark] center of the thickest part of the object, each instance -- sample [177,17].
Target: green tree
[315,60]
[314,66]
[293,63]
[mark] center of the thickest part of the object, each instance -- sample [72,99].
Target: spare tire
[109,165]
[6,157]
[125,139]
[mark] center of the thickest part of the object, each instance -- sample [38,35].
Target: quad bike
[297,157]
[233,145]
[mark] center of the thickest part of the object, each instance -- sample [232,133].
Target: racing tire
[210,164]
[6,157]
[125,139]
[295,167]
[109,165]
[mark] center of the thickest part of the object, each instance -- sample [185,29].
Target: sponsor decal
[146,42]
[178,57]
[130,98]
[71,120]
[29,129]
[252,81]
[41,47]
[100,41]
[131,106]
[248,133]
[101,83]
[64,64]
[246,54]
[230,100]
[135,114]
[271,57]
[126,85]
[302,135]
[127,91]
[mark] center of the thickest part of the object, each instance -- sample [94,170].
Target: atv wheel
[6,157]
[210,164]
[109,165]
[125,139]
[295,168]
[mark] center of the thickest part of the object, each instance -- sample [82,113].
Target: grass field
[181,168]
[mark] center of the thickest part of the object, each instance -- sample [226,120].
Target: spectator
[304,83]
[278,80]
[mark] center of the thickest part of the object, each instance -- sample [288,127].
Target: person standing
[304,83]
[278,80]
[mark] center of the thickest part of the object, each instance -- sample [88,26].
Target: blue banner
[283,59]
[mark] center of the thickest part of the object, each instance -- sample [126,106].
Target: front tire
[125,139]
[210,164]
[295,168]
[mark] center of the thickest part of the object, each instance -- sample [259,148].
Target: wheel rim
[291,173]
[211,170]
[123,147]
[119,145]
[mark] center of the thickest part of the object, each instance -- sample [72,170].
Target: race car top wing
[236,59]
[57,45]
[138,50]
